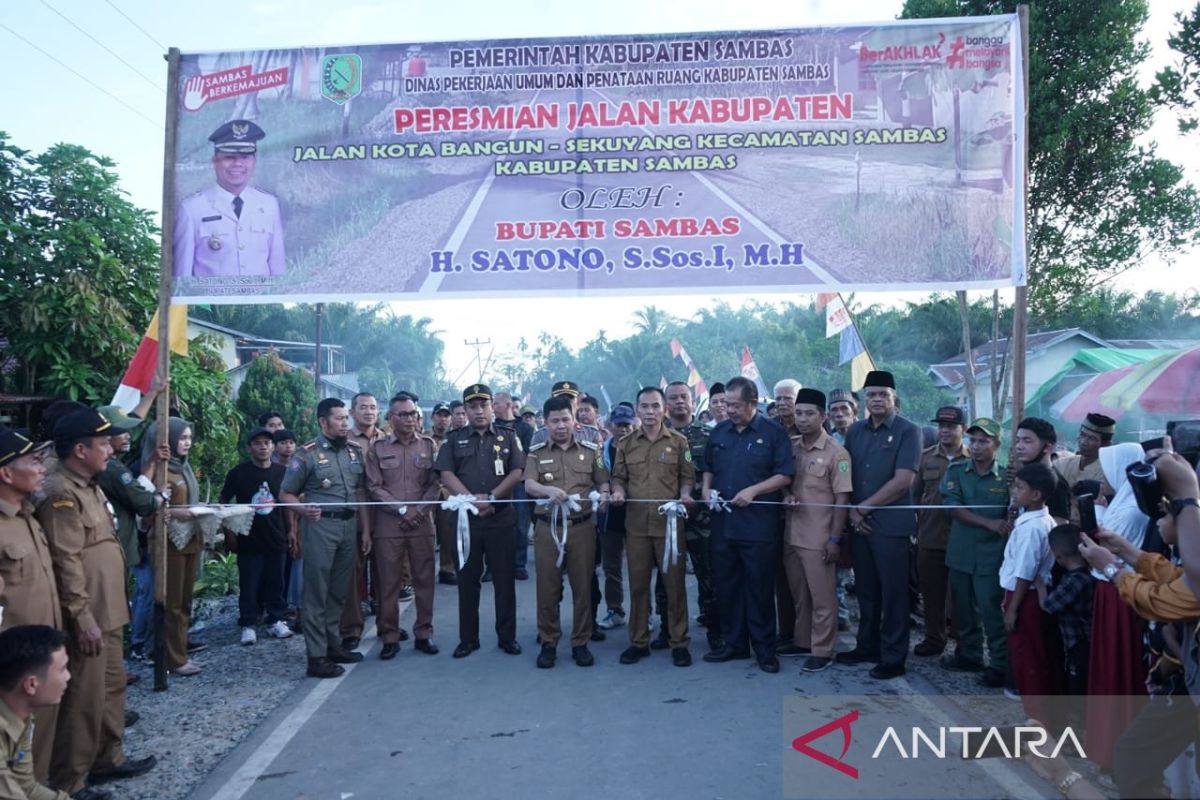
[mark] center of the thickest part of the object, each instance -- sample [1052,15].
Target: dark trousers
[1163,730]
[612,551]
[496,543]
[521,559]
[745,573]
[881,572]
[700,551]
[934,579]
[260,586]
[785,603]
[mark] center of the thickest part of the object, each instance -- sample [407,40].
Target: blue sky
[43,102]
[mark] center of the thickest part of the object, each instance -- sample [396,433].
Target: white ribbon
[716,502]
[673,510]
[463,504]
[560,513]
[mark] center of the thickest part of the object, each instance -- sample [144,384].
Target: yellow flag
[859,367]
[177,327]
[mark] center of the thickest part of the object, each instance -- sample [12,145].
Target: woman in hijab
[182,559]
[1116,663]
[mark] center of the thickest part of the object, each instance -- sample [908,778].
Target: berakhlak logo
[801,743]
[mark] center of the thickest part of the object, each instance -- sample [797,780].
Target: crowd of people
[1063,580]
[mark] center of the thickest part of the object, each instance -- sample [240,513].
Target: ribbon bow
[463,504]
[717,503]
[560,513]
[674,510]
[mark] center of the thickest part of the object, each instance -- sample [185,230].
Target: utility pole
[478,345]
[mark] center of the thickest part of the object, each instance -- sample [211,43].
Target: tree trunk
[964,313]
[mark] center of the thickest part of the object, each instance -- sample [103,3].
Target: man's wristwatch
[1177,506]
[1110,571]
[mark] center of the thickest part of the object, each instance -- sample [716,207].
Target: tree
[1179,85]
[201,391]
[272,385]
[78,272]
[1099,202]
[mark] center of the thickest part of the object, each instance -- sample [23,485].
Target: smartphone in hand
[1087,513]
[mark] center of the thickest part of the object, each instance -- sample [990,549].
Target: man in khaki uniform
[933,527]
[556,470]
[28,593]
[400,469]
[364,410]
[33,676]
[813,536]
[89,565]
[654,462]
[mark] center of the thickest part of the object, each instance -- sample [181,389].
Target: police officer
[364,413]
[482,461]
[230,228]
[556,471]
[89,566]
[28,594]
[328,470]
[584,433]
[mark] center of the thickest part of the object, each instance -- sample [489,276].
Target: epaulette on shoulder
[537,446]
[354,443]
[309,445]
[590,445]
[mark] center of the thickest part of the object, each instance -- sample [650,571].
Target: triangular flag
[676,347]
[825,299]
[849,345]
[750,370]
[607,400]
[837,318]
[701,390]
[662,383]
[140,374]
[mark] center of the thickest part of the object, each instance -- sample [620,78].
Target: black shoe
[513,648]
[885,672]
[726,653]
[715,642]
[426,646]
[521,574]
[633,654]
[702,620]
[324,668]
[926,649]
[992,678]
[448,578]
[195,647]
[389,651]
[487,576]
[855,656]
[547,657]
[91,793]
[403,635]
[406,593]
[792,650]
[351,642]
[340,655]
[465,649]
[661,642]
[770,665]
[598,635]
[958,663]
[130,768]
[681,657]
[131,718]
[583,656]
[816,664]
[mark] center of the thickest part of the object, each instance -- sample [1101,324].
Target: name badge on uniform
[499,462]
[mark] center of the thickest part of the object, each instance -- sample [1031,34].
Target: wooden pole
[166,271]
[317,359]
[1016,346]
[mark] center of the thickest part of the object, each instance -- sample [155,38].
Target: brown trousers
[933,577]
[181,579]
[814,586]
[644,553]
[45,722]
[390,556]
[91,716]
[579,563]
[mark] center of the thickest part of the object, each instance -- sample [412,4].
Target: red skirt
[1036,658]
[1116,673]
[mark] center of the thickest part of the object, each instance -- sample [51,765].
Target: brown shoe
[324,668]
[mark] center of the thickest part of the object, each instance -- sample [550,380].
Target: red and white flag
[750,370]
[140,373]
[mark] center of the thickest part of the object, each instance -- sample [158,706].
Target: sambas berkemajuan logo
[936,742]
[341,77]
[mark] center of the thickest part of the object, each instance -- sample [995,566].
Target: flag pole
[854,323]
[166,271]
[1021,301]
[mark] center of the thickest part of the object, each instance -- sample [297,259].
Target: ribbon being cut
[673,510]
[560,514]
[463,504]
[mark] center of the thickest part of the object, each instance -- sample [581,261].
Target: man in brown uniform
[482,461]
[654,462]
[933,527]
[813,535]
[89,565]
[556,470]
[400,469]
[364,410]
[33,676]
[28,593]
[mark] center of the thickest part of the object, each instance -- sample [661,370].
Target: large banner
[869,157]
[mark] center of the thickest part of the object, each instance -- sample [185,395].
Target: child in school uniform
[1035,651]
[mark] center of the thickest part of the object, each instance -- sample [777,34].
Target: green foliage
[219,577]
[1099,201]
[1179,85]
[201,390]
[78,269]
[272,385]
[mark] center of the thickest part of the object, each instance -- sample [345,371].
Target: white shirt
[1027,554]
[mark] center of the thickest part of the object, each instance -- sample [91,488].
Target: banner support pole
[163,401]
[1021,301]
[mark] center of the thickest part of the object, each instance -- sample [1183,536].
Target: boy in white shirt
[1034,646]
